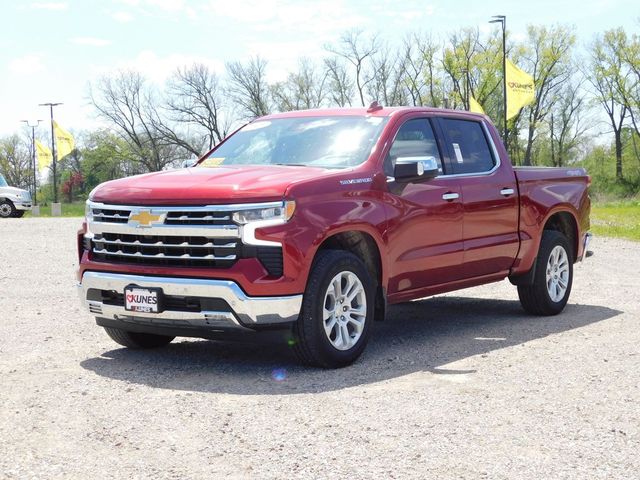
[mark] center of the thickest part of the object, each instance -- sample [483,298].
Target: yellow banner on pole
[64,141]
[45,157]
[520,89]
[474,106]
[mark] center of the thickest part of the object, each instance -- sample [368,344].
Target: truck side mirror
[415,169]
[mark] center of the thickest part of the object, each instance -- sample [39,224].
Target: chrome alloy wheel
[5,210]
[344,310]
[557,273]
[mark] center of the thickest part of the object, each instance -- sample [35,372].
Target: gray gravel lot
[464,385]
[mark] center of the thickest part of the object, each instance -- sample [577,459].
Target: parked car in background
[315,221]
[13,201]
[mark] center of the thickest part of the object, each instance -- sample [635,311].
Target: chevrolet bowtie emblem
[144,218]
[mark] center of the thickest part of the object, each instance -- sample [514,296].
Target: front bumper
[23,205]
[243,312]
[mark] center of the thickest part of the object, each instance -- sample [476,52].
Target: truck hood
[12,191]
[201,186]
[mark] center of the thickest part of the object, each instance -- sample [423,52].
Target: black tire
[535,298]
[7,209]
[310,342]
[19,214]
[137,340]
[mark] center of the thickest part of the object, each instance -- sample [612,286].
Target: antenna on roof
[374,107]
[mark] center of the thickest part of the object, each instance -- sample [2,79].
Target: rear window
[470,152]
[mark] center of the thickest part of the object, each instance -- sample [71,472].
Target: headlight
[268,215]
[282,212]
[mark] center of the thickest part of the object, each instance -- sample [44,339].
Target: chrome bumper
[22,205]
[245,311]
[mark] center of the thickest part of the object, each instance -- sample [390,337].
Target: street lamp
[53,150]
[33,155]
[502,19]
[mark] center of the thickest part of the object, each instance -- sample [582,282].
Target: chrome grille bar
[160,244]
[161,255]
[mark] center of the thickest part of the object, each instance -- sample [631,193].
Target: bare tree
[248,87]
[195,100]
[128,103]
[340,86]
[303,89]
[358,51]
[387,82]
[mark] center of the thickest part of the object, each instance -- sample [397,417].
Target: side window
[468,145]
[415,138]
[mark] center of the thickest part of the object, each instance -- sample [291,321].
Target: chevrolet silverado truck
[13,201]
[314,221]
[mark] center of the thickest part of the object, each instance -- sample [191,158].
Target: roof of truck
[361,111]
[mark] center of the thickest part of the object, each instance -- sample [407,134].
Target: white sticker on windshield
[456,148]
[256,125]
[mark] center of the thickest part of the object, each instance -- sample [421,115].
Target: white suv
[13,201]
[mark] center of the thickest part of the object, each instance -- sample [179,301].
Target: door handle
[450,196]
[506,192]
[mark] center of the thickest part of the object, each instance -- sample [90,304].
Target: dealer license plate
[146,300]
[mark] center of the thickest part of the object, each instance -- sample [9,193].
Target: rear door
[425,218]
[489,197]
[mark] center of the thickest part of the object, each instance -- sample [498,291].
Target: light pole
[53,150]
[33,155]
[502,19]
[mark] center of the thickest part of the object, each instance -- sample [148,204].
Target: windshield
[3,182]
[329,142]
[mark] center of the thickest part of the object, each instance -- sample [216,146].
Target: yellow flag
[45,157]
[474,106]
[64,141]
[520,89]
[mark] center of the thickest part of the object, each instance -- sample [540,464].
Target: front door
[425,218]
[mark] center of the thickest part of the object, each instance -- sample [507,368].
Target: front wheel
[553,277]
[337,311]
[7,209]
[137,340]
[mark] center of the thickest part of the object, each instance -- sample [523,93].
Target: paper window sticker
[456,148]
[212,162]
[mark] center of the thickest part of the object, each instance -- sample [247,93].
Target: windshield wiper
[291,164]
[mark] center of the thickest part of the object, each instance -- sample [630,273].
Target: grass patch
[75,209]
[617,219]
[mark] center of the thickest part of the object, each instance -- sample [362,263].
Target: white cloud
[50,5]
[27,65]
[90,41]
[122,17]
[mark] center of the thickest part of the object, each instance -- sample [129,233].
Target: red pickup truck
[314,221]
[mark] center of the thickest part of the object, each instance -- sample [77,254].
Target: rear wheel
[137,340]
[337,311]
[7,209]
[553,278]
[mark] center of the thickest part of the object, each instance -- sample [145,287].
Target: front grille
[175,236]
[165,250]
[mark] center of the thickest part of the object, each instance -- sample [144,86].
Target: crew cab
[14,202]
[314,221]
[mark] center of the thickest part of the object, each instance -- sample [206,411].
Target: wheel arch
[367,248]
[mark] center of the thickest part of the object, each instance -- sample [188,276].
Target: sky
[50,51]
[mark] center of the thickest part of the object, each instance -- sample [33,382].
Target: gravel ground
[459,386]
